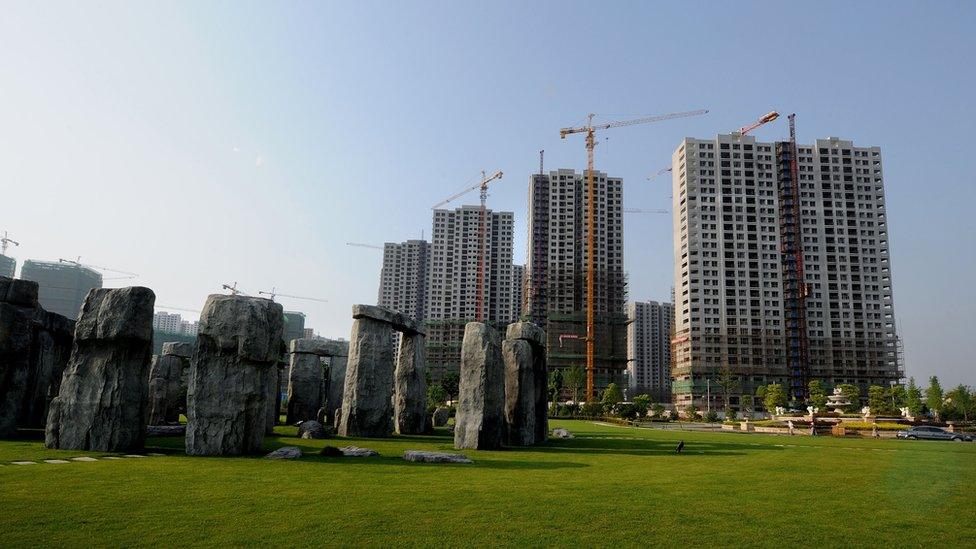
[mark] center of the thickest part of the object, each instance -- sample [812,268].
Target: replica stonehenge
[94,385]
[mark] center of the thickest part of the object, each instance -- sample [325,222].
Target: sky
[204,143]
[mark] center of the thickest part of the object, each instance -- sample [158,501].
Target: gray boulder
[410,384]
[233,375]
[367,409]
[536,338]
[166,431]
[356,451]
[166,391]
[480,421]
[312,429]
[424,456]
[559,432]
[519,392]
[285,452]
[398,321]
[103,398]
[337,382]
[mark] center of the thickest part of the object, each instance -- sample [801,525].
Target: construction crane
[794,288]
[662,171]
[590,130]
[764,119]
[168,308]
[232,288]
[274,293]
[483,186]
[78,263]
[640,211]
[360,245]
[5,241]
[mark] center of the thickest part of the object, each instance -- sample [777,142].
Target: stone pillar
[18,304]
[306,379]
[368,390]
[276,380]
[410,383]
[336,383]
[535,337]
[167,383]
[480,422]
[519,392]
[233,368]
[51,349]
[102,403]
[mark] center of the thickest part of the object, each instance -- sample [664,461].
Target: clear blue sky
[207,142]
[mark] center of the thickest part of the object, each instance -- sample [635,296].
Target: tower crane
[274,293]
[483,186]
[232,288]
[590,130]
[764,119]
[361,245]
[662,171]
[78,263]
[5,241]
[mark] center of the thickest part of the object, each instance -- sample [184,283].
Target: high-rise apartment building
[732,277]
[404,277]
[649,349]
[557,270]
[518,287]
[173,323]
[453,279]
[294,327]
[61,287]
[8,266]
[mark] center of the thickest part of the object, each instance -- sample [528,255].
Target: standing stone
[18,302]
[276,380]
[306,379]
[368,391]
[536,337]
[480,421]
[102,403]
[167,383]
[233,367]
[410,383]
[50,350]
[337,382]
[519,392]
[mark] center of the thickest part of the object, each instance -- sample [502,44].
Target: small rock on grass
[356,451]
[435,457]
[561,433]
[285,452]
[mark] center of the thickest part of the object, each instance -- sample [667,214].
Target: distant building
[453,280]
[294,326]
[309,333]
[173,323]
[557,270]
[8,266]
[404,277]
[649,349]
[518,287]
[62,287]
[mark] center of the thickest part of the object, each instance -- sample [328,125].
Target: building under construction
[782,269]
[61,286]
[557,267]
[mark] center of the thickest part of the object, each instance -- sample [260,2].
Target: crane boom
[96,267]
[5,241]
[638,210]
[764,119]
[274,293]
[662,171]
[482,184]
[361,245]
[590,130]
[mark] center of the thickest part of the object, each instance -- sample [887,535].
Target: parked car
[933,433]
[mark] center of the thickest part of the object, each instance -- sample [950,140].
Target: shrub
[592,409]
[657,411]
[691,413]
[865,426]
[711,416]
[627,411]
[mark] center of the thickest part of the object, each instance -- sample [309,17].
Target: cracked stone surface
[367,409]
[435,457]
[480,420]
[410,387]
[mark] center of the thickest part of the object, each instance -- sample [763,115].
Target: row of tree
[957,404]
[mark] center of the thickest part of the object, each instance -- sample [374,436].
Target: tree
[934,397]
[960,402]
[657,410]
[436,395]
[642,402]
[611,397]
[728,383]
[773,396]
[574,379]
[450,383]
[896,398]
[876,399]
[818,395]
[691,412]
[913,398]
[555,385]
[853,394]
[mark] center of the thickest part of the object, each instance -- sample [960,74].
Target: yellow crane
[590,130]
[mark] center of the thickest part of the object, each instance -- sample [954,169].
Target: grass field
[609,486]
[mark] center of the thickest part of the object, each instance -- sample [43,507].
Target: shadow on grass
[624,445]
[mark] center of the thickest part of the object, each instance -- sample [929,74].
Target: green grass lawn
[608,486]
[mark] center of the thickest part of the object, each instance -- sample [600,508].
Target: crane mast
[590,130]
